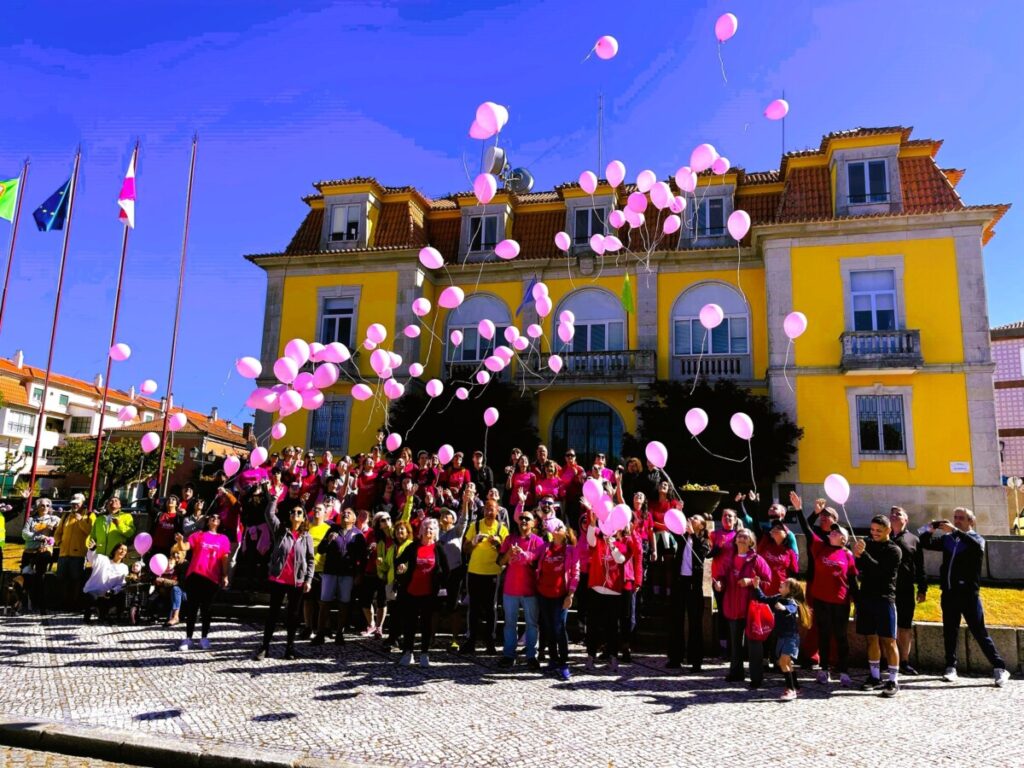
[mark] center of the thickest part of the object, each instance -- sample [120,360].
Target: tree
[661,414]
[121,462]
[461,422]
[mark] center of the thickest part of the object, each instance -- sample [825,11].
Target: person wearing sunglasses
[520,552]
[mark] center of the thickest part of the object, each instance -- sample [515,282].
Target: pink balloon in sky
[795,324]
[485,186]
[491,117]
[686,179]
[721,165]
[451,297]
[615,172]
[562,242]
[588,182]
[606,47]
[726,26]
[431,258]
[120,352]
[507,249]
[711,316]
[777,110]
[248,367]
[149,442]
[739,224]
[742,426]
[703,157]
[645,180]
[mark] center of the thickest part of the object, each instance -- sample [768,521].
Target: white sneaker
[1001,676]
[204,644]
[406,660]
[949,675]
[788,695]
[424,660]
[845,681]
[185,645]
[823,677]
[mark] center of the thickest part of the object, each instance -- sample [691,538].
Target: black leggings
[278,593]
[419,614]
[603,623]
[200,591]
[686,602]
[482,590]
[833,620]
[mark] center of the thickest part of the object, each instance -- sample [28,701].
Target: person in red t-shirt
[366,486]
[664,553]
[455,477]
[420,571]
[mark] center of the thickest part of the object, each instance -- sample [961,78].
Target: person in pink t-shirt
[737,584]
[207,572]
[550,484]
[520,552]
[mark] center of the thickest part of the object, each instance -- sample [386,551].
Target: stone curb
[146,749]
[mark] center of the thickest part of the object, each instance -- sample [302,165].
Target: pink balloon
[482,377]
[477,131]
[248,367]
[376,333]
[120,352]
[411,331]
[491,417]
[675,521]
[645,180]
[739,224]
[616,218]
[742,426]
[726,26]
[394,441]
[795,324]
[462,393]
[286,369]
[142,542]
[507,249]
[544,306]
[149,442]
[671,225]
[455,337]
[504,353]
[177,421]
[566,316]
[316,349]
[721,165]
[451,297]
[303,382]
[539,289]
[566,331]
[555,363]
[657,454]
[593,491]
[421,307]
[128,413]
[607,526]
[562,241]
[325,375]
[838,488]
[620,516]
[258,457]
[521,344]
[678,204]
[777,110]
[615,172]
[534,331]
[485,186]
[711,316]
[634,219]
[393,389]
[486,329]
[588,182]
[231,465]
[380,361]
[158,564]
[661,195]
[312,399]
[686,179]
[606,47]
[445,453]
[362,392]
[291,402]
[511,334]
[416,370]
[696,421]
[612,244]
[434,387]
[336,352]
[148,387]
[597,243]
[637,202]
[494,363]
[278,431]
[431,258]
[297,350]
[491,117]
[369,346]
[702,157]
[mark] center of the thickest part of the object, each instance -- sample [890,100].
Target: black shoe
[260,655]
[506,663]
[871,684]
[533,664]
[625,656]
[467,650]
[289,653]
[304,633]
[906,669]
[318,639]
[339,639]
[695,668]
[731,678]
[754,686]
[673,665]
[890,689]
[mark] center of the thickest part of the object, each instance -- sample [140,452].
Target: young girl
[791,615]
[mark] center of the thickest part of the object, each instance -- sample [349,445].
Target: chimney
[19,359]
[246,430]
[163,405]
[131,393]
[213,413]
[98,381]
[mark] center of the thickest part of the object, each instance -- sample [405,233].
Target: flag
[627,295]
[51,214]
[527,296]
[126,200]
[8,197]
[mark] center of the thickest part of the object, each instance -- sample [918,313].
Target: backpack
[760,621]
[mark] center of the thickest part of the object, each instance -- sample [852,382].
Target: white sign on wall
[960,467]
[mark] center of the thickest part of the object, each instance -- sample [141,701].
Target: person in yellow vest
[112,528]
[71,539]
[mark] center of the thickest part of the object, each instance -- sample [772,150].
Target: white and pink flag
[126,200]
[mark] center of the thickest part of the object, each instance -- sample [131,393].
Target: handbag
[760,621]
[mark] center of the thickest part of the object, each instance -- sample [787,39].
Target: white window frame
[453,354]
[873,296]
[591,210]
[691,319]
[338,292]
[148,417]
[588,324]
[909,454]
[21,423]
[702,217]
[869,264]
[37,394]
[332,399]
[482,218]
[337,316]
[335,236]
[869,194]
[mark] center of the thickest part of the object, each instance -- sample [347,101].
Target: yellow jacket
[71,535]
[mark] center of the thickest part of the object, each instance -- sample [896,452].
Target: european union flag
[527,295]
[51,214]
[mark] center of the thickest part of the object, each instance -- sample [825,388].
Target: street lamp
[202,458]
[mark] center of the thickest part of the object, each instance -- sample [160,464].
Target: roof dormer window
[345,223]
[483,233]
[589,221]
[710,218]
[867,182]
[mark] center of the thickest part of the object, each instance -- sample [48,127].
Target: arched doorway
[588,427]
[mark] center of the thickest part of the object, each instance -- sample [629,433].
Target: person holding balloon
[744,571]
[687,599]
[663,551]
[106,581]
[207,572]
[609,556]
[549,484]
[723,549]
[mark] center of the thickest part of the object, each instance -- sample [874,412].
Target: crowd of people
[400,548]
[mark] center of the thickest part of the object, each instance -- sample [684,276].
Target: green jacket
[120,529]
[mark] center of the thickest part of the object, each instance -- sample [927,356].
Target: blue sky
[286,93]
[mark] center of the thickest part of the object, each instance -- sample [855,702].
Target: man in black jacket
[962,552]
[878,562]
[345,552]
[911,585]
[481,475]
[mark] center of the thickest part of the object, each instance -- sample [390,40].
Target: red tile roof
[925,186]
[535,233]
[807,195]
[197,424]
[307,238]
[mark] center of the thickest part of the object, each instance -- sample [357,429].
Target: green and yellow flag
[627,296]
[8,197]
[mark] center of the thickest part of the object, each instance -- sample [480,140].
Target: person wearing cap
[71,540]
[111,528]
[481,475]
[38,535]
[520,552]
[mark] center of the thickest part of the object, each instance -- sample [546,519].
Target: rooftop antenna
[600,131]
[783,126]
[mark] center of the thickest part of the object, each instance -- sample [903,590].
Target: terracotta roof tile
[807,195]
[955,175]
[535,233]
[762,208]
[443,234]
[394,227]
[196,424]
[925,186]
[444,204]
[307,238]
[350,180]
[760,177]
[13,392]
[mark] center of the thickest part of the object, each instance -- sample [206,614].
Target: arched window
[466,318]
[689,337]
[600,321]
[588,427]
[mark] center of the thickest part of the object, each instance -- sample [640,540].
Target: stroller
[140,603]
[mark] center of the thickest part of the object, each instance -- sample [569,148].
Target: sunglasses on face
[523,520]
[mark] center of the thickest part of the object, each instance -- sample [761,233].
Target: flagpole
[113,341]
[177,317]
[53,331]
[14,238]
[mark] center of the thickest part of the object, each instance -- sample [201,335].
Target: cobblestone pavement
[11,757]
[357,705]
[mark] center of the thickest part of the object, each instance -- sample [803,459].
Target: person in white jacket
[106,581]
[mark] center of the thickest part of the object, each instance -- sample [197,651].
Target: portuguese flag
[8,197]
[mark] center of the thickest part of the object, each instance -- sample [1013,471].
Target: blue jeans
[553,616]
[511,604]
[177,597]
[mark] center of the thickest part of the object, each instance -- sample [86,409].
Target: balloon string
[848,523]
[426,405]
[699,358]
[785,363]
[750,452]
[717,456]
[722,62]
[739,259]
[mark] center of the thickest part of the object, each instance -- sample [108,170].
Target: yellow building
[866,235]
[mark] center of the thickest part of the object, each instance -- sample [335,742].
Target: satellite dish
[520,181]
[494,161]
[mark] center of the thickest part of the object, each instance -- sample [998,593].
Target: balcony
[466,372]
[734,367]
[881,352]
[628,366]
